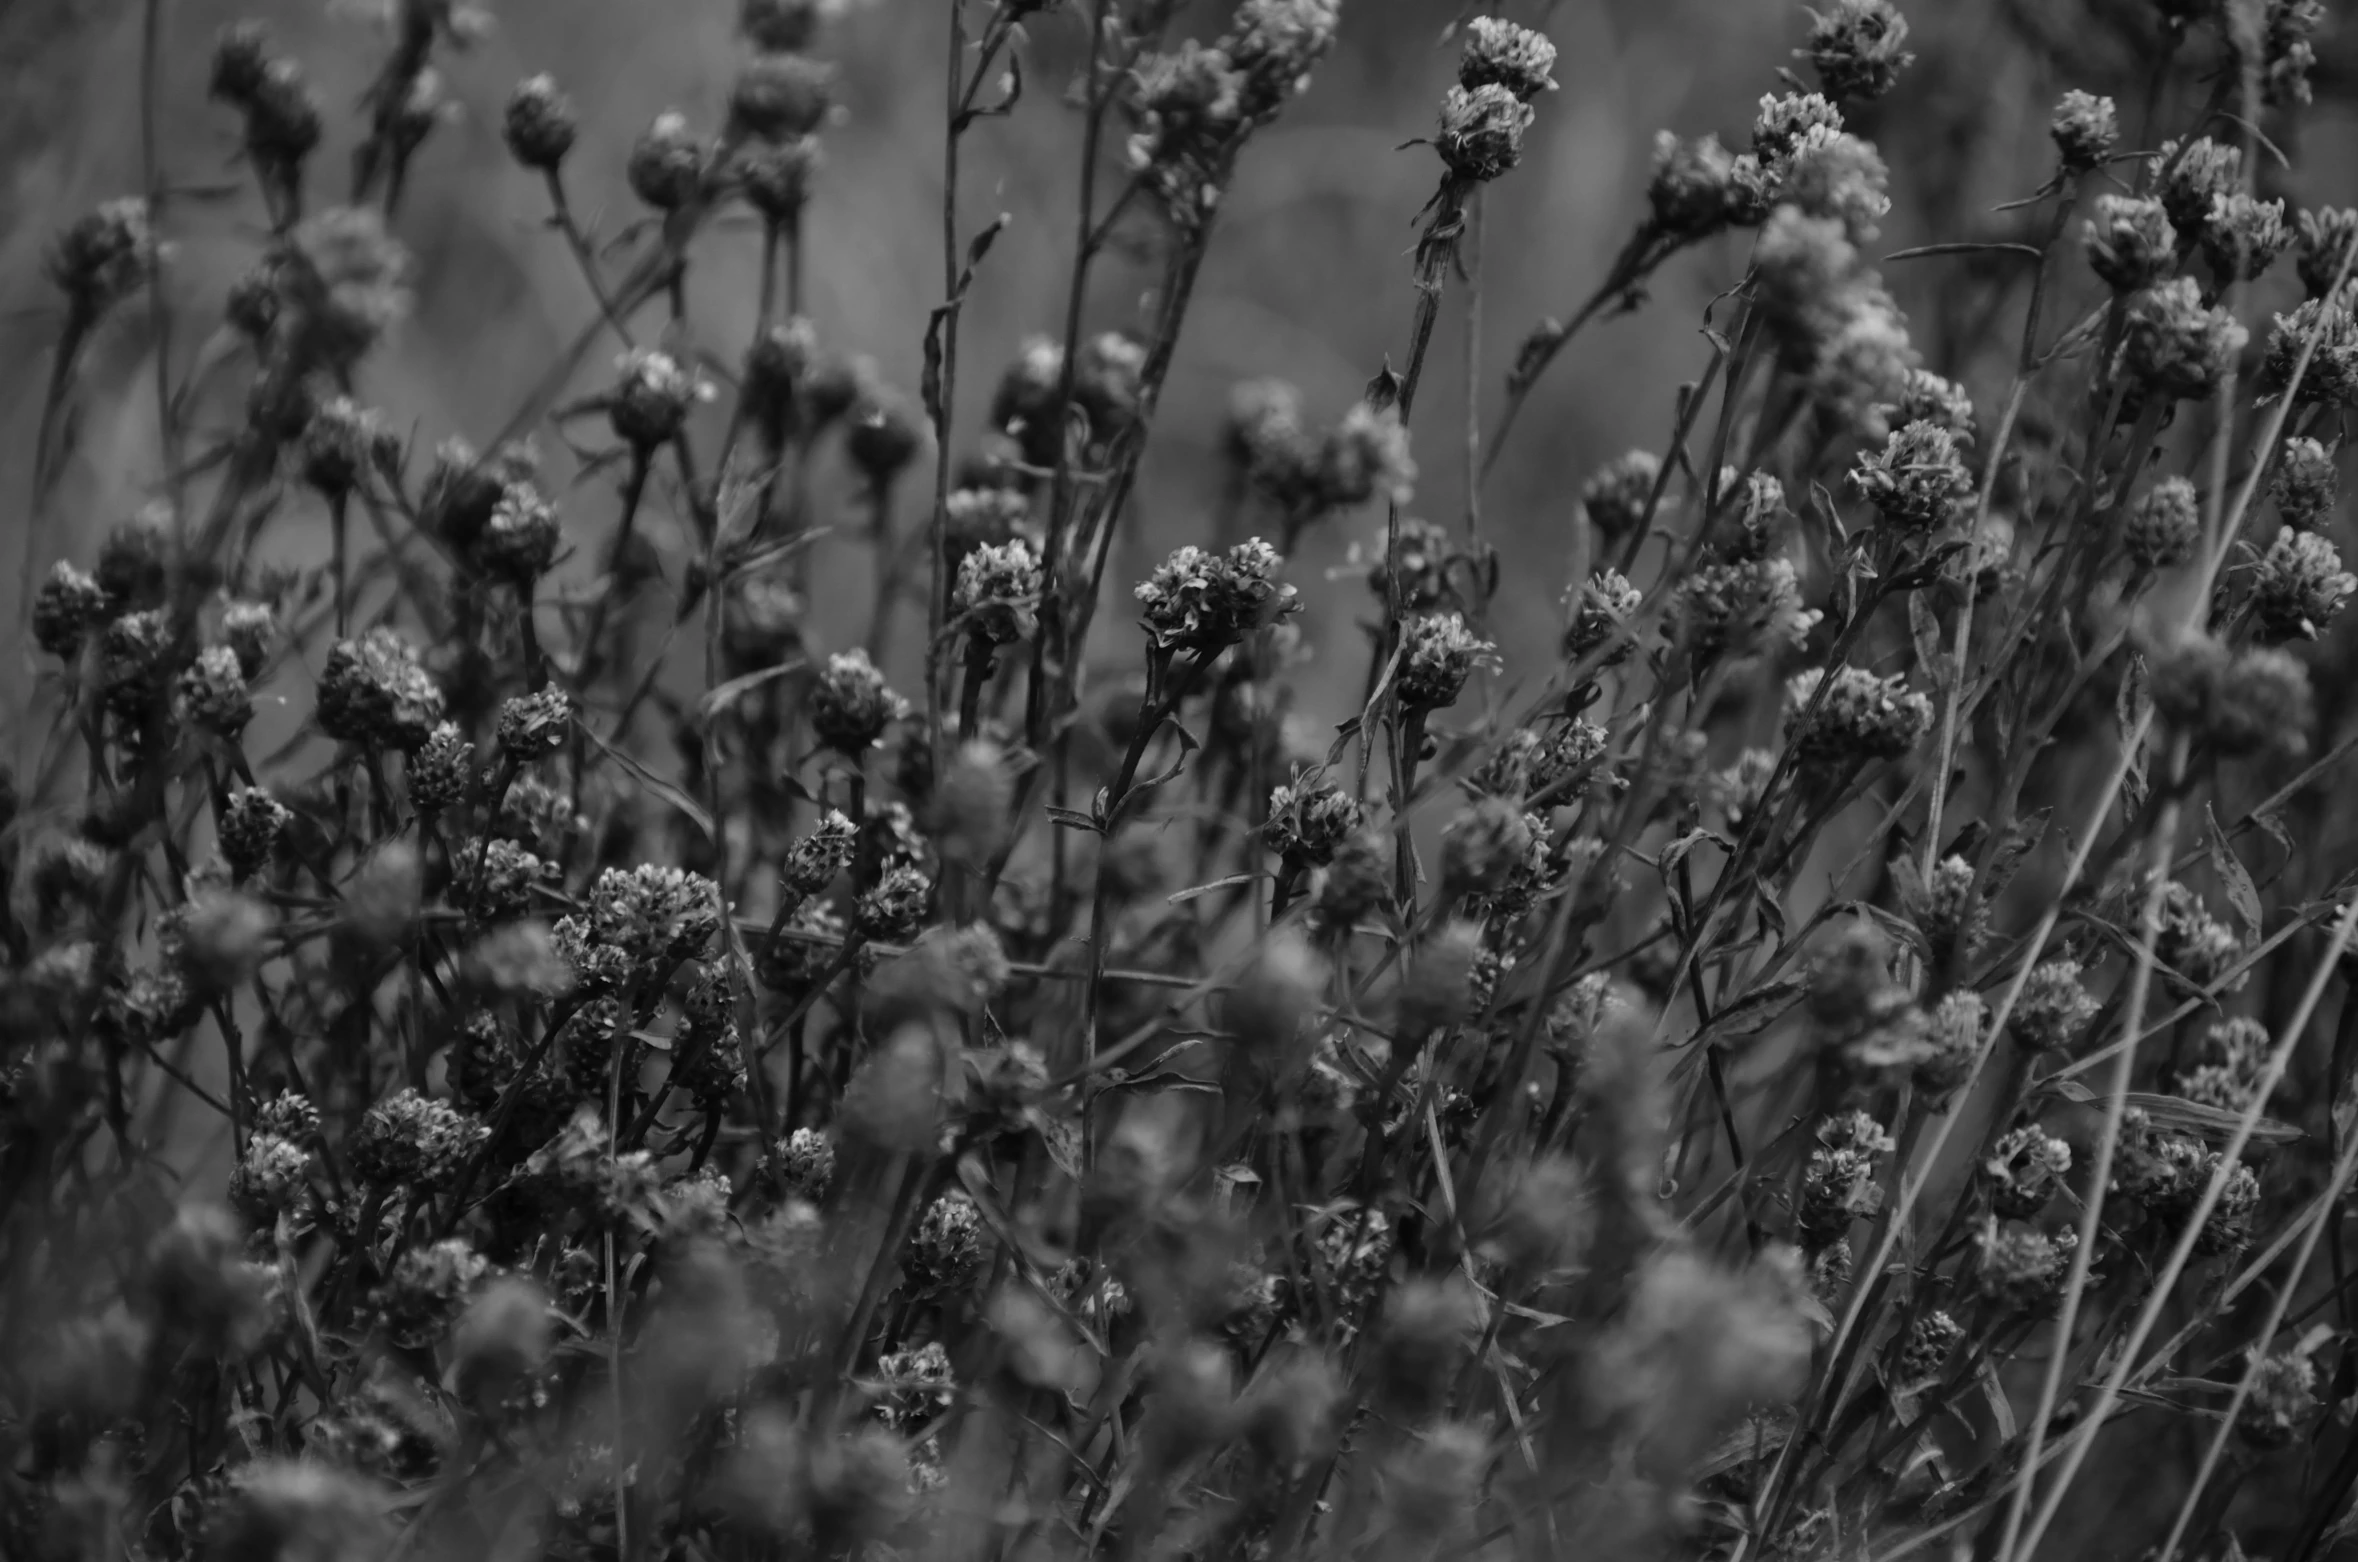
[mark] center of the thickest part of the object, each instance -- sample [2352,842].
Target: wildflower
[1945,908]
[2244,236]
[503,1336]
[1280,994]
[103,256]
[1929,398]
[2330,377]
[653,912]
[440,769]
[2299,586]
[651,398]
[1530,762]
[995,590]
[211,694]
[780,95]
[968,812]
[2229,1066]
[852,704]
[883,435]
[2053,1007]
[503,887]
[1840,1183]
[1481,846]
[946,1250]
[1618,496]
[2191,179]
[69,605]
[1787,119]
[1411,567]
[2175,346]
[2321,247]
[1266,440]
[2282,1398]
[1189,105]
[1863,361]
[534,726]
[1274,43]
[894,910]
[335,448]
[1427,1328]
[241,57]
[1438,653]
[373,692]
[2304,484]
[1499,53]
[2085,127]
[2024,1170]
[1437,991]
[2165,1175]
[2286,53]
[2131,243]
[1107,378]
[1692,192]
[2162,528]
[252,823]
[1862,717]
[272,1179]
[2020,1268]
[2234,702]
[1481,135]
[1833,174]
[1952,1040]
[348,286]
[804,1163]
[409,1140]
[666,165]
[1930,1342]
[1206,602]
[1598,611]
[1737,609]
[538,125]
[1857,48]
[1366,457]
[2191,942]
[519,542]
[518,960]
[1309,823]
[1357,881]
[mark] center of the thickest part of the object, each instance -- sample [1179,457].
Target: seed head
[1597,612]
[666,166]
[2282,1399]
[441,770]
[1951,1041]
[69,605]
[1862,717]
[1310,822]
[2162,528]
[1274,43]
[2191,179]
[2299,586]
[894,911]
[1858,49]
[373,692]
[812,862]
[654,913]
[252,822]
[103,256]
[1366,457]
[2174,345]
[2243,236]
[2305,484]
[1438,653]
[780,96]
[1481,134]
[852,704]
[2234,703]
[1946,909]
[211,693]
[652,397]
[519,542]
[2024,1170]
[2324,239]
[1205,602]
[1499,53]
[997,591]
[2331,377]
[2085,127]
[2131,242]
[1738,609]
[2054,1007]
[1833,174]
[1693,191]
[539,125]
[409,1140]
[534,726]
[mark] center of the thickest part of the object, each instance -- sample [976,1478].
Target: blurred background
[1308,277]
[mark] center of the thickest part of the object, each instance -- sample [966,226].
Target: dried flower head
[1481,134]
[666,164]
[2243,236]
[1366,457]
[1501,53]
[2305,484]
[1862,717]
[539,125]
[2085,127]
[2130,242]
[2175,345]
[1858,48]
[1438,653]
[2162,528]
[851,704]
[373,692]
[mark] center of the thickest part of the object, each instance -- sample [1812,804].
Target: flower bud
[539,125]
